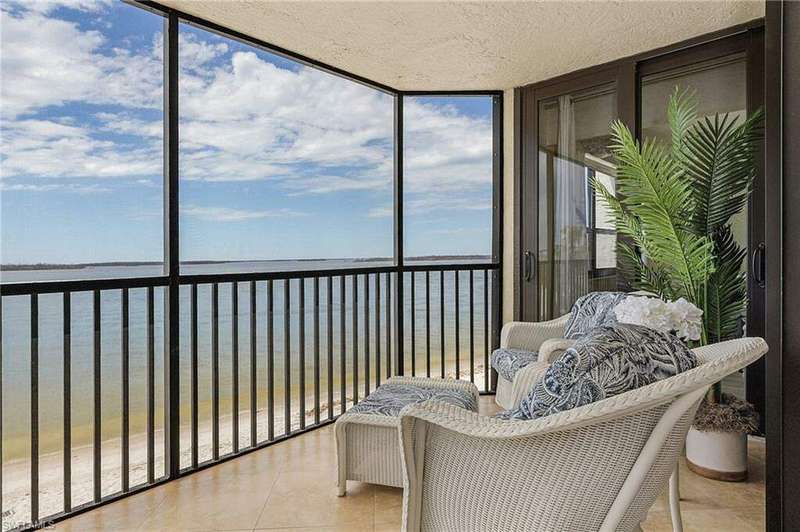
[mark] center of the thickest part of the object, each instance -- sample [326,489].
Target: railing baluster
[330,346]
[301,365]
[235,366]
[253,368]
[366,336]
[67,404]
[287,364]
[388,325]
[270,362]
[215,371]
[355,338]
[316,351]
[124,363]
[342,345]
[151,384]
[366,330]
[97,465]
[486,369]
[377,329]
[194,377]
[428,324]
[35,409]
[457,320]
[471,327]
[413,328]
[441,320]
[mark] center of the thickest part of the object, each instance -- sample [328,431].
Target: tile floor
[290,487]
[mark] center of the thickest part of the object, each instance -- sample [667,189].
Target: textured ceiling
[469,45]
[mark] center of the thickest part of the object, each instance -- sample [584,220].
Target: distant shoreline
[80,266]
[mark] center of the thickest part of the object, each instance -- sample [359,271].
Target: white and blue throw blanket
[507,362]
[607,361]
[589,311]
[389,399]
[592,310]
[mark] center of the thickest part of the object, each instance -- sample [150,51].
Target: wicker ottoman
[367,442]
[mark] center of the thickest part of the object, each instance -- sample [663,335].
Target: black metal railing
[262,357]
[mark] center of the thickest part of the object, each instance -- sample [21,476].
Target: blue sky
[278,160]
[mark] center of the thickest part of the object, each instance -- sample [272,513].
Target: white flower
[687,319]
[680,317]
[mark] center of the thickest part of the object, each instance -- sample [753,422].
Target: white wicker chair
[528,336]
[596,467]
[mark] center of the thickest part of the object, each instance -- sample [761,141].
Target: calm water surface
[16,325]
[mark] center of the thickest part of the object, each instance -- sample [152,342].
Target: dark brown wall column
[783,256]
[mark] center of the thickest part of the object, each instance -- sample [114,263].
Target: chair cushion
[607,361]
[592,310]
[390,398]
[507,362]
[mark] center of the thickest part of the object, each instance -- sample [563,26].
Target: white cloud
[386,211]
[428,203]
[47,6]
[242,119]
[49,62]
[79,189]
[45,148]
[225,214]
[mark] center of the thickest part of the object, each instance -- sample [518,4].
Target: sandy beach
[16,473]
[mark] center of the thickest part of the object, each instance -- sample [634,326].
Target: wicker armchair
[596,467]
[528,336]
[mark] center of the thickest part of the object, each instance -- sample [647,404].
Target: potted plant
[673,214]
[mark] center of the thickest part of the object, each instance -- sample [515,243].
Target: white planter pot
[717,455]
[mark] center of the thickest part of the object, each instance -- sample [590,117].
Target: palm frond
[643,274]
[626,223]
[727,290]
[681,114]
[719,159]
[648,176]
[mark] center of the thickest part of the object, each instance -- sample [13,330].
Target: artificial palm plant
[674,208]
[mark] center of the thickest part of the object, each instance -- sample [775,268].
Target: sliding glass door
[576,245]
[724,78]
[567,238]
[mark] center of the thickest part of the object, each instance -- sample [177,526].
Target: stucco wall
[509,206]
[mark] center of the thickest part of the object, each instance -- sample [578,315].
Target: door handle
[758,265]
[528,272]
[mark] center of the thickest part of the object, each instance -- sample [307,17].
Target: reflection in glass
[576,237]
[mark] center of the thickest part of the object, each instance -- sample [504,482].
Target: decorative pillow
[592,310]
[390,398]
[507,362]
[608,361]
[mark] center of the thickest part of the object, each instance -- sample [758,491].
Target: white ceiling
[469,45]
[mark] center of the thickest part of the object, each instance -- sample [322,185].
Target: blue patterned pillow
[592,310]
[390,398]
[507,362]
[606,362]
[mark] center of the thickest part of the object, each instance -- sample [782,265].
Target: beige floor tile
[699,521]
[125,514]
[344,528]
[290,486]
[226,497]
[388,505]
[308,499]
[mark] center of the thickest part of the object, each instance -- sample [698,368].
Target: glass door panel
[576,239]
[720,86]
